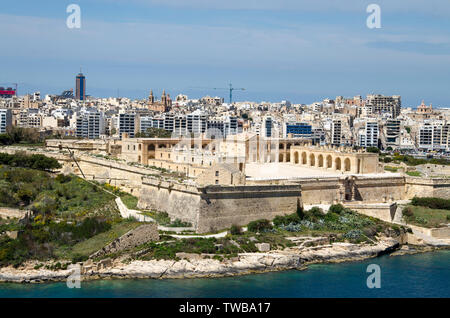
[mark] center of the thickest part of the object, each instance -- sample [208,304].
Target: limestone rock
[263,247]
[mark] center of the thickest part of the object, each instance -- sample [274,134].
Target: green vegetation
[67,212]
[340,223]
[373,149]
[129,200]
[193,245]
[21,136]
[39,238]
[411,161]
[425,216]
[235,230]
[413,173]
[259,226]
[391,169]
[154,133]
[163,218]
[433,203]
[18,136]
[85,248]
[39,162]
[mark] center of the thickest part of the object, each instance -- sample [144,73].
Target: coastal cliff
[189,267]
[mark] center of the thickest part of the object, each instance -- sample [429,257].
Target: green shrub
[407,211]
[391,169]
[235,230]
[286,219]
[179,223]
[61,178]
[300,212]
[259,226]
[314,214]
[373,150]
[279,220]
[432,203]
[336,208]
[39,162]
[79,258]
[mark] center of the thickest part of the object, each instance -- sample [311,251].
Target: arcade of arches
[336,159]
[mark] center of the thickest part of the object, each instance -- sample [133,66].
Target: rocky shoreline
[194,266]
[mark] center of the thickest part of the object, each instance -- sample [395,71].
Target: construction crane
[230,88]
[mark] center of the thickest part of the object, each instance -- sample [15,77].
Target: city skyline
[294,51]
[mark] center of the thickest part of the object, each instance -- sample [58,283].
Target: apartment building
[127,124]
[5,120]
[368,137]
[380,104]
[336,132]
[434,136]
[90,125]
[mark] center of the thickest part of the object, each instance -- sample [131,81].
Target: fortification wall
[380,189]
[179,201]
[422,187]
[214,208]
[221,207]
[320,191]
[382,211]
[332,190]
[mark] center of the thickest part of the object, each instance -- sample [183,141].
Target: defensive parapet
[213,208]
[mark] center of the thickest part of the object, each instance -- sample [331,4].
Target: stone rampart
[214,208]
[140,235]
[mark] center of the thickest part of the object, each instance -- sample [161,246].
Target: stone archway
[304,160]
[312,160]
[347,164]
[296,158]
[337,164]
[329,161]
[320,161]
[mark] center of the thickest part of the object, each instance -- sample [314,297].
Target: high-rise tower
[80,92]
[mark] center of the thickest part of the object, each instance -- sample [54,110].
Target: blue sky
[300,50]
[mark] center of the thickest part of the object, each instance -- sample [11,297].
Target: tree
[5,139]
[373,150]
[154,133]
[235,230]
[300,212]
[336,208]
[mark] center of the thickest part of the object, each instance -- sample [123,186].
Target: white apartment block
[90,125]
[368,137]
[434,136]
[5,120]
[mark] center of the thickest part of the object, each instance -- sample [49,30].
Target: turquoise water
[420,275]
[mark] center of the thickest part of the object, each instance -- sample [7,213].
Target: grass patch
[129,200]
[391,169]
[413,173]
[426,217]
[97,242]
[162,218]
